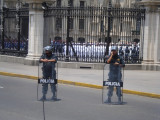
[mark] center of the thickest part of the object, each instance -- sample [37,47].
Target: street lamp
[1,27]
[3,10]
[110,4]
[67,41]
[2,7]
[18,6]
[44,6]
[109,27]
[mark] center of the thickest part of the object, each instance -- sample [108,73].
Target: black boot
[43,98]
[54,98]
[119,100]
[108,100]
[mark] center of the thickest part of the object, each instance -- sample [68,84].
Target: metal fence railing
[14,31]
[83,34]
[87,34]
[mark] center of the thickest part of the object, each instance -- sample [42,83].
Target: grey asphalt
[18,102]
[137,80]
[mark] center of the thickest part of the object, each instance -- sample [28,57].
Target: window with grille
[71,23]
[70,3]
[58,3]
[81,24]
[58,23]
[82,4]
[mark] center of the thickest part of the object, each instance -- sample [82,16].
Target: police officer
[48,59]
[115,75]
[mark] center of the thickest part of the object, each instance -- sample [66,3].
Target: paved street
[137,80]
[18,102]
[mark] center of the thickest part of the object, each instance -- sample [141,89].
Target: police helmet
[114,48]
[48,48]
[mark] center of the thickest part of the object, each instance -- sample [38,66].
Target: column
[151,49]
[157,39]
[36,29]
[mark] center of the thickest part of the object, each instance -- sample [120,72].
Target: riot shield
[50,83]
[113,79]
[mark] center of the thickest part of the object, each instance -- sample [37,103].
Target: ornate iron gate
[83,34]
[14,31]
[86,34]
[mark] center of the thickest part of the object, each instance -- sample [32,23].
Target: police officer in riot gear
[115,75]
[48,69]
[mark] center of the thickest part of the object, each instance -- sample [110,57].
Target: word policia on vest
[47,81]
[115,84]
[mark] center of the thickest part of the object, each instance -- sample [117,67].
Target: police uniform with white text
[48,69]
[115,74]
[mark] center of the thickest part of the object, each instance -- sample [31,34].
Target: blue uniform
[49,72]
[115,75]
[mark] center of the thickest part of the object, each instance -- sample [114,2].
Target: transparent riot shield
[50,83]
[113,78]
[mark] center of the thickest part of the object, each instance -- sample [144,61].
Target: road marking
[1,87]
[152,95]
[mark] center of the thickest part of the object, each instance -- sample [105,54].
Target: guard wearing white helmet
[49,60]
[116,62]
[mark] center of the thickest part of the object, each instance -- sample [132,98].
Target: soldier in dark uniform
[127,51]
[49,71]
[121,53]
[115,75]
[134,55]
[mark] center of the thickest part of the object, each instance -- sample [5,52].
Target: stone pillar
[151,51]
[36,31]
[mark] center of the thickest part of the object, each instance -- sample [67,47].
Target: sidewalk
[134,80]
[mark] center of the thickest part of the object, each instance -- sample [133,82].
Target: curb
[18,75]
[151,95]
